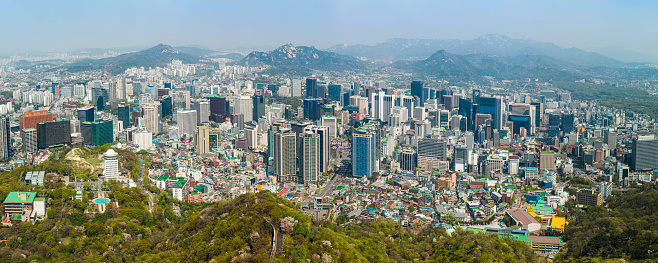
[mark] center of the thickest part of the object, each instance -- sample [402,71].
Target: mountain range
[497,45]
[302,60]
[157,56]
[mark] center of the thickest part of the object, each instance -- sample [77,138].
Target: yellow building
[558,223]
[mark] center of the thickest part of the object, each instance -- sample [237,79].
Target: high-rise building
[313,109]
[143,139]
[102,132]
[324,145]
[431,150]
[296,90]
[111,170]
[258,107]
[124,115]
[238,120]
[492,106]
[408,159]
[285,156]
[334,92]
[547,161]
[5,138]
[79,90]
[167,106]
[187,122]
[30,119]
[202,108]
[243,105]
[152,119]
[539,112]
[567,122]
[522,116]
[181,99]
[610,138]
[645,153]
[364,152]
[219,109]
[53,133]
[30,140]
[86,114]
[417,91]
[202,139]
[310,171]
[311,88]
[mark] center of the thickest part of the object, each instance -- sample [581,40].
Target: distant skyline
[52,26]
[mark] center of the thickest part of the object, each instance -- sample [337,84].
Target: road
[328,186]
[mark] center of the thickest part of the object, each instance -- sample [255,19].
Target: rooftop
[20,197]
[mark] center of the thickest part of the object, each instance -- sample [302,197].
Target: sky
[223,25]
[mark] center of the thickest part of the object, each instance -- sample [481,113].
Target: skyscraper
[5,138]
[285,156]
[567,122]
[167,106]
[86,114]
[258,107]
[364,151]
[30,140]
[334,92]
[313,109]
[417,91]
[311,88]
[645,153]
[187,122]
[492,106]
[123,115]
[243,105]
[201,139]
[310,157]
[111,167]
[408,159]
[202,108]
[323,147]
[431,150]
[296,90]
[219,109]
[53,133]
[30,119]
[151,119]
[102,132]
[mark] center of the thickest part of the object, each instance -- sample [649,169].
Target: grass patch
[94,161]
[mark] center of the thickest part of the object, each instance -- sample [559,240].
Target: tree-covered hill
[626,229]
[239,230]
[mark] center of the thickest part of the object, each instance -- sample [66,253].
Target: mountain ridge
[157,56]
[301,60]
[493,44]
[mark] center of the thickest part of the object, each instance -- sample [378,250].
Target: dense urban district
[302,155]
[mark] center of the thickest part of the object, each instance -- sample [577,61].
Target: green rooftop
[16,217]
[181,182]
[20,197]
[163,177]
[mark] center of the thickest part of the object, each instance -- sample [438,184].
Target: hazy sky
[68,25]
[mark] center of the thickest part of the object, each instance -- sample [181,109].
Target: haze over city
[604,26]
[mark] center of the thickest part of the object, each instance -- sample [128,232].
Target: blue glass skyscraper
[364,152]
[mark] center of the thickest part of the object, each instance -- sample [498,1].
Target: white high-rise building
[143,139]
[243,105]
[187,122]
[296,90]
[402,111]
[152,119]
[111,170]
[79,91]
[202,108]
[331,124]
[310,157]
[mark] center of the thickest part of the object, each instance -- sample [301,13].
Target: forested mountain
[493,44]
[157,56]
[468,67]
[625,229]
[302,60]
